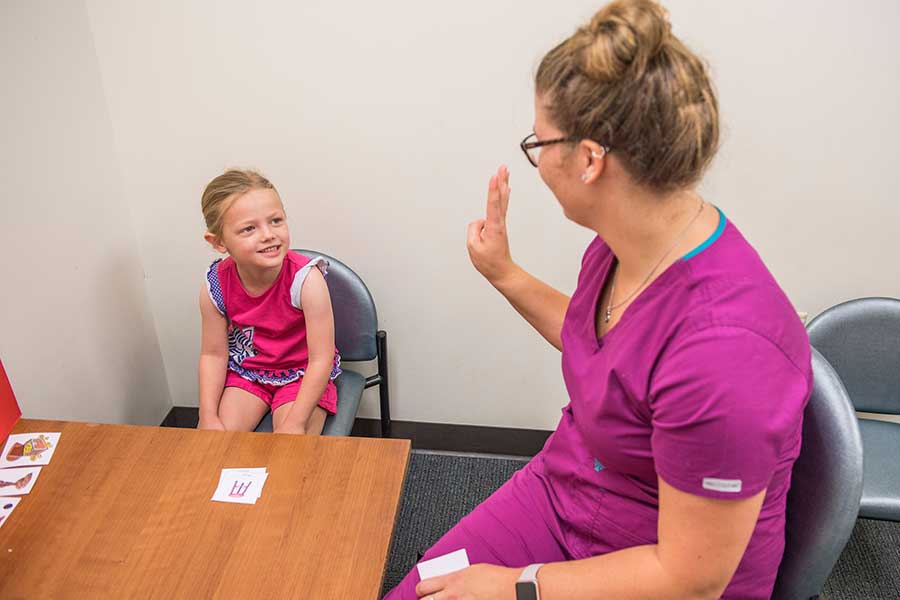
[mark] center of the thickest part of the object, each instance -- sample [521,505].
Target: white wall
[381,122]
[380,126]
[77,334]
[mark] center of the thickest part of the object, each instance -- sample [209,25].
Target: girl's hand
[212,422]
[478,582]
[487,241]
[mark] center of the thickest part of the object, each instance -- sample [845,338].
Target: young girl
[268,330]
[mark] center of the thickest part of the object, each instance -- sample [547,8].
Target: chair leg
[381,346]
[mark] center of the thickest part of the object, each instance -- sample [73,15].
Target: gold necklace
[612,289]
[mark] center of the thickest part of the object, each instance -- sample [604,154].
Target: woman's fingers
[492,212]
[473,232]
[429,586]
[503,185]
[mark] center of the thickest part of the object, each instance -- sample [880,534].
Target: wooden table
[125,512]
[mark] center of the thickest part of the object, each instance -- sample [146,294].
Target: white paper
[18,482]
[29,449]
[6,507]
[240,486]
[442,565]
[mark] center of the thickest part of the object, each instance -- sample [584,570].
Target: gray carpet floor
[441,489]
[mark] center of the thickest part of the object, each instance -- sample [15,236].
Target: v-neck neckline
[679,265]
[649,291]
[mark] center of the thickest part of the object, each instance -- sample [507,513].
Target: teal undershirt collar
[709,241]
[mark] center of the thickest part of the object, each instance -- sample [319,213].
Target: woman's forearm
[630,574]
[544,307]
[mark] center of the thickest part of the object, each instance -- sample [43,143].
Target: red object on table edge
[9,408]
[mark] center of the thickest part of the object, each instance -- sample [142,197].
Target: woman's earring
[584,177]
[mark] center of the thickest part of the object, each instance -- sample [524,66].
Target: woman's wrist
[506,278]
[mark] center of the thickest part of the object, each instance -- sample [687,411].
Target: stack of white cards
[241,486]
[22,449]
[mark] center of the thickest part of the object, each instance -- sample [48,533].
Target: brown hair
[221,192]
[625,81]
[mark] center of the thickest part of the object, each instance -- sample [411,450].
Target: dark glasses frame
[525,145]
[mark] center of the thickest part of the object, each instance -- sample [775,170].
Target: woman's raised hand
[487,241]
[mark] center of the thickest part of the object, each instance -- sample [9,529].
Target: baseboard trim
[424,436]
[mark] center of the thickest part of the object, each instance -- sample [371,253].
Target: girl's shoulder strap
[300,276]
[214,287]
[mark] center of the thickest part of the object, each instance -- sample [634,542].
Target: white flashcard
[18,482]
[6,507]
[29,449]
[240,486]
[236,490]
[442,565]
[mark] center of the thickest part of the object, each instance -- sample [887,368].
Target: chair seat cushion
[350,386]
[881,479]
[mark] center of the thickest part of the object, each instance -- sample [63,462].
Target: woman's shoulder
[729,287]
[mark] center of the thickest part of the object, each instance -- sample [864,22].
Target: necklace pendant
[608,313]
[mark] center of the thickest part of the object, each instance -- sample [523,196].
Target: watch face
[526,590]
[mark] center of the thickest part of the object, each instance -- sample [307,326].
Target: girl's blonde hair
[221,192]
[625,81]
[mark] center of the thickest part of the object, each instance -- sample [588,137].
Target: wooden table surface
[125,512]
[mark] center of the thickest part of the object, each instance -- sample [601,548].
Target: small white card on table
[240,486]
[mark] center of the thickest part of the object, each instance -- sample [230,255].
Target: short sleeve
[726,407]
[299,277]
[214,287]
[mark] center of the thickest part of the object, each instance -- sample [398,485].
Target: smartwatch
[527,585]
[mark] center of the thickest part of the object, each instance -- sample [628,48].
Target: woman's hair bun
[622,38]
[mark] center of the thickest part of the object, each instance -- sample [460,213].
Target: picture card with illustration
[7,505]
[29,449]
[18,482]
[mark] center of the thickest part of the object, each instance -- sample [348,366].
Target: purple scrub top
[702,382]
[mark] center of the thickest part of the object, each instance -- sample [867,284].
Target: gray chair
[357,338]
[826,485]
[861,340]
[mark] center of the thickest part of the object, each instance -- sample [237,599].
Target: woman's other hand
[478,582]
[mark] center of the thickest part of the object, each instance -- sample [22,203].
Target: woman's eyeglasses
[531,146]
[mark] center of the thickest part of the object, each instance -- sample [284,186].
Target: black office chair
[357,338]
[861,340]
[826,485]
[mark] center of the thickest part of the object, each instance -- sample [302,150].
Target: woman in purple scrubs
[686,365]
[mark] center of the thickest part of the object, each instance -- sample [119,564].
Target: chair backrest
[826,487]
[861,340]
[355,319]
